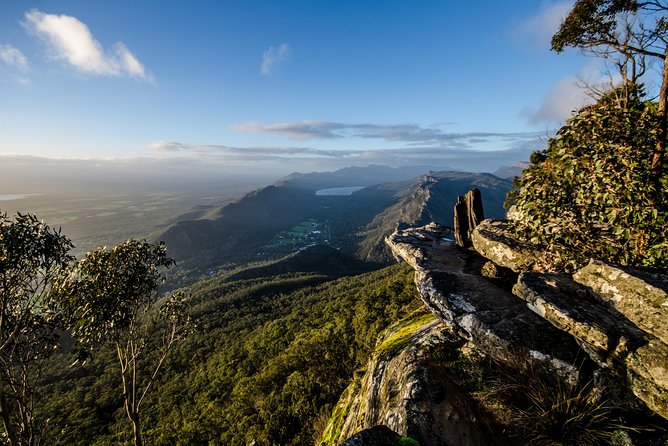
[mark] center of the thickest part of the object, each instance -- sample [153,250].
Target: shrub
[589,195]
[552,413]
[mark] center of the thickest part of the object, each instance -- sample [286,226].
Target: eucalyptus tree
[32,255]
[633,33]
[110,298]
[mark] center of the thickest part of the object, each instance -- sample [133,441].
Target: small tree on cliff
[31,255]
[110,297]
[630,32]
[587,196]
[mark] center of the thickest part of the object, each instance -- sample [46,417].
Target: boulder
[647,370]
[639,296]
[406,388]
[570,307]
[493,240]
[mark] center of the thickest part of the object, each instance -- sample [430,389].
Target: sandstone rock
[570,307]
[648,375]
[617,315]
[468,214]
[499,323]
[611,338]
[493,240]
[639,296]
[414,245]
[406,389]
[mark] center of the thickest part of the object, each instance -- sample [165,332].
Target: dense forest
[269,358]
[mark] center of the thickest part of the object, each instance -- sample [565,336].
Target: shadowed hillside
[274,221]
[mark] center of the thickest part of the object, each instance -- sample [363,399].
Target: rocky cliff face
[404,388]
[617,315]
[604,324]
[492,318]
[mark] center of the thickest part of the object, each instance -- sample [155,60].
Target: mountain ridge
[264,223]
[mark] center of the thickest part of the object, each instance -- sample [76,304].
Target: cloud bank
[273,57]
[70,40]
[407,133]
[460,155]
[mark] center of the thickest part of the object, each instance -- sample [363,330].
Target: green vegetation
[31,255]
[599,190]
[110,296]
[270,357]
[401,331]
[590,195]
[306,233]
[561,413]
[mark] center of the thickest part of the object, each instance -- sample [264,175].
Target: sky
[285,85]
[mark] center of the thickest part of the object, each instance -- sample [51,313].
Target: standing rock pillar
[468,214]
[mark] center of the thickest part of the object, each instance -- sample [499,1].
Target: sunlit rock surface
[617,316]
[496,321]
[639,296]
[572,308]
[493,240]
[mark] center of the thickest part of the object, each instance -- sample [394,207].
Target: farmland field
[108,218]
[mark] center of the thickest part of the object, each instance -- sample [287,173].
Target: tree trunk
[662,132]
[136,429]
[6,421]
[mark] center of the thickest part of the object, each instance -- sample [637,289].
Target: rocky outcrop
[498,323]
[570,307]
[639,296]
[468,214]
[493,239]
[406,389]
[639,299]
[616,315]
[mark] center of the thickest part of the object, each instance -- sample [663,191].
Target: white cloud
[170,146]
[71,40]
[538,30]
[273,57]
[559,103]
[572,93]
[13,57]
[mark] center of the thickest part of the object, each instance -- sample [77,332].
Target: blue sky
[290,85]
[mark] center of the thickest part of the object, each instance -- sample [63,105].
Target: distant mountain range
[511,171]
[288,215]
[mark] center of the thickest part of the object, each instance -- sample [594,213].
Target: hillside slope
[266,223]
[270,356]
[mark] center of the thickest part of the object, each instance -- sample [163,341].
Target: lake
[339,190]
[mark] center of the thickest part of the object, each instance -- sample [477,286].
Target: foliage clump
[551,412]
[589,195]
